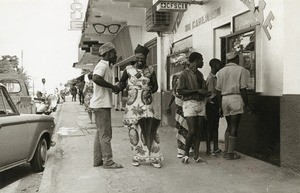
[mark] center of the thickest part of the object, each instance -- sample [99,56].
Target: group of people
[223,93]
[77,88]
[200,104]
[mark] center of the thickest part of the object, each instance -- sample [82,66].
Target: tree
[10,65]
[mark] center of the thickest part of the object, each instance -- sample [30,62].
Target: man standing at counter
[231,89]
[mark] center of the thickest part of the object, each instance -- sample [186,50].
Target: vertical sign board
[172,6]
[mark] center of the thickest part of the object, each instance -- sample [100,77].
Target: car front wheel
[39,159]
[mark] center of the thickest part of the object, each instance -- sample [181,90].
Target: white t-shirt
[102,97]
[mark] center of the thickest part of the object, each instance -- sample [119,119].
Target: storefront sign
[258,12]
[171,6]
[76,15]
[201,20]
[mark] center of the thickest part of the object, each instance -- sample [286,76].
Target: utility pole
[21,58]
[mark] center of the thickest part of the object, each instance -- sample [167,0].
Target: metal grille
[157,21]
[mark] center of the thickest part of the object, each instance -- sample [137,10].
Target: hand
[202,92]
[116,89]
[248,110]
[169,111]
[220,112]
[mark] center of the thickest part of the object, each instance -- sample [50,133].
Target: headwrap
[106,47]
[141,49]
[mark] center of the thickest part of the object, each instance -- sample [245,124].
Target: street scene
[149,96]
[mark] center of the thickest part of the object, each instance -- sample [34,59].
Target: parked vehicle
[18,91]
[23,137]
[46,104]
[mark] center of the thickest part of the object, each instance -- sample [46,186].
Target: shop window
[243,42]
[174,64]
[152,55]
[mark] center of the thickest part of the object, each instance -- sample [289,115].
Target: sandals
[219,151]
[156,164]
[185,160]
[98,164]
[179,155]
[200,160]
[135,163]
[112,165]
[232,156]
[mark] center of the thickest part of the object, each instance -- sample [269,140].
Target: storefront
[260,32]
[263,31]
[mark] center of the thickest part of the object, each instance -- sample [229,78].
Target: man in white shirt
[101,103]
[231,89]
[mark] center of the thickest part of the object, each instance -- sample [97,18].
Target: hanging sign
[171,6]
[258,12]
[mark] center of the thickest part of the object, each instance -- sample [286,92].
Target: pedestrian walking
[80,86]
[101,103]
[73,91]
[180,124]
[139,114]
[212,109]
[231,87]
[191,86]
[88,93]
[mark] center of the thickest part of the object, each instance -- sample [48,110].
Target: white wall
[291,49]
[269,52]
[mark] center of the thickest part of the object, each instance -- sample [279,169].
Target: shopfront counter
[259,132]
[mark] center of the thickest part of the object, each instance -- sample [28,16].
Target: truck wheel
[39,159]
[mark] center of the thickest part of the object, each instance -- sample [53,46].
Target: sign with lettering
[171,6]
[201,20]
[258,12]
[76,15]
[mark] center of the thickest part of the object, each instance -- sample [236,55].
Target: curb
[46,182]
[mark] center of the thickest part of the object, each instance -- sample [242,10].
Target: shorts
[232,104]
[192,108]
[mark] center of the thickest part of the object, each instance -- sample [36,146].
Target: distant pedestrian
[212,109]
[80,86]
[191,86]
[231,87]
[181,124]
[140,114]
[101,103]
[88,93]
[73,91]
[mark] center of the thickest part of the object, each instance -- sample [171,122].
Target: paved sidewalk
[70,169]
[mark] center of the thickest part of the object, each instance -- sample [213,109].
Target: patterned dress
[88,95]
[180,124]
[139,116]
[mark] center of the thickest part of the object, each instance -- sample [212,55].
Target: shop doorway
[219,47]
[219,44]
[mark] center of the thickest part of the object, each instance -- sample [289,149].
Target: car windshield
[6,107]
[12,86]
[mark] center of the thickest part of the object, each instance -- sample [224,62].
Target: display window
[244,43]
[174,64]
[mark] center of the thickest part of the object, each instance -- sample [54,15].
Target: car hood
[35,117]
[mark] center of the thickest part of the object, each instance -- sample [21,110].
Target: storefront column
[160,50]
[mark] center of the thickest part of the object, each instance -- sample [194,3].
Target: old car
[18,91]
[24,138]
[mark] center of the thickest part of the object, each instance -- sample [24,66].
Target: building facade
[264,32]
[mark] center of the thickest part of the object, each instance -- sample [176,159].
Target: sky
[40,29]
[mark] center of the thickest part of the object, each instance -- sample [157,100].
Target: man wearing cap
[101,103]
[231,89]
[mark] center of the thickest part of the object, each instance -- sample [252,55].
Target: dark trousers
[212,113]
[102,144]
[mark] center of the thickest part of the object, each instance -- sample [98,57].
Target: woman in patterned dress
[88,93]
[141,82]
[180,122]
